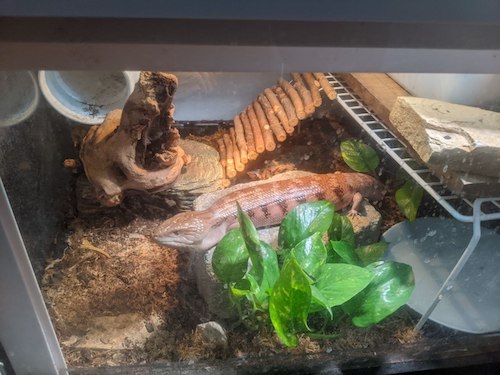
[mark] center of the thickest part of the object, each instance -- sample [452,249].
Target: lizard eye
[176,232]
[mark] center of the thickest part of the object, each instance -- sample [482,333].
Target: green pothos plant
[360,157]
[317,273]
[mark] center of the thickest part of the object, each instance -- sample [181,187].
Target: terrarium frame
[467,44]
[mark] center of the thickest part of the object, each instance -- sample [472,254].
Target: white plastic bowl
[19,96]
[432,246]
[86,96]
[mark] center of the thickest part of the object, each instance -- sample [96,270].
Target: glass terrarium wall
[480,90]
[119,290]
[41,113]
[68,229]
[28,168]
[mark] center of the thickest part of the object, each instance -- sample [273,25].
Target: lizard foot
[352,213]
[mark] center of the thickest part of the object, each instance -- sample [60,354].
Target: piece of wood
[294,97]
[240,139]
[71,163]
[230,171]
[304,93]
[260,147]
[249,136]
[225,181]
[377,90]
[135,149]
[238,164]
[277,107]
[287,105]
[279,110]
[267,133]
[325,85]
[274,123]
[222,152]
[313,85]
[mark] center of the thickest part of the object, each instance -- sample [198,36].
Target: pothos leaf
[303,221]
[390,288]
[310,254]
[264,276]
[346,252]
[289,302]
[338,283]
[371,253]
[359,156]
[319,302]
[408,198]
[248,230]
[265,270]
[341,229]
[230,257]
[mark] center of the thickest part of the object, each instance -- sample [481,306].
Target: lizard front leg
[356,202]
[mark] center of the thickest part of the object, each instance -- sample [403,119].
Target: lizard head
[188,231]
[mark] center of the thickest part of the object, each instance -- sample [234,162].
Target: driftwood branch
[136,149]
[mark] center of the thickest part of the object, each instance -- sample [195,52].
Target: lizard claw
[352,213]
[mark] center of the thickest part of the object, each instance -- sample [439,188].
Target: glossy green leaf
[310,254]
[303,221]
[270,265]
[390,289]
[332,256]
[248,230]
[257,295]
[408,198]
[341,229]
[319,302]
[265,276]
[345,251]
[339,283]
[371,253]
[359,156]
[263,257]
[230,257]
[289,302]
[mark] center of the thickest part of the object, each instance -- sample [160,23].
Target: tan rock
[472,186]
[115,332]
[202,175]
[450,137]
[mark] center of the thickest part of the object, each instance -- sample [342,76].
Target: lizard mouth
[175,243]
[165,235]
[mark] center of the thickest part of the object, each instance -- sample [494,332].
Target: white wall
[480,90]
[218,96]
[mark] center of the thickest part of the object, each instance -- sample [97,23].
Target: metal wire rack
[460,208]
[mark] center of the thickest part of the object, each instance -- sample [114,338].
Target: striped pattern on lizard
[266,205]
